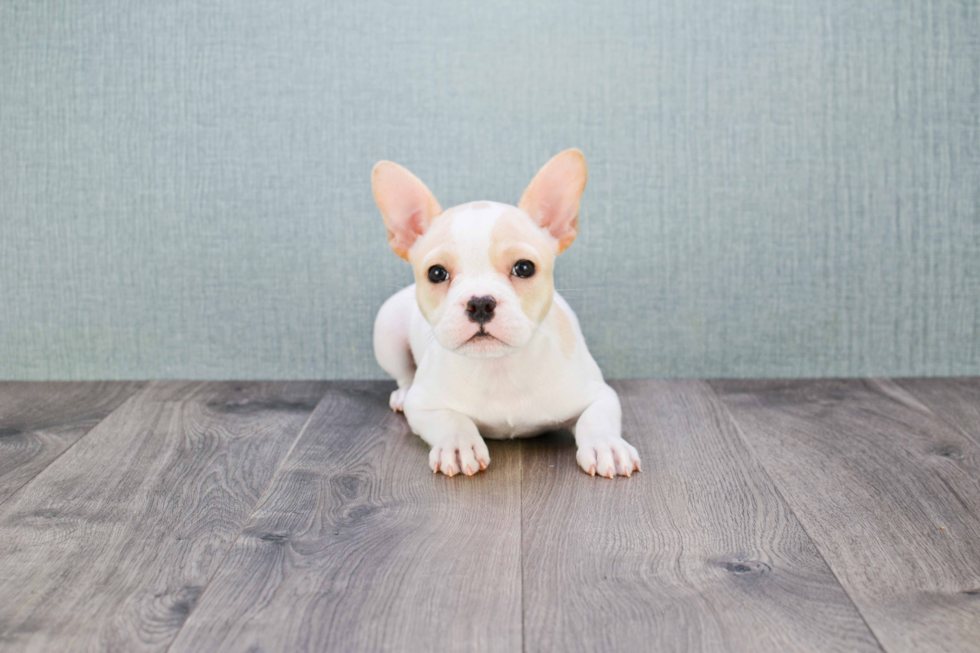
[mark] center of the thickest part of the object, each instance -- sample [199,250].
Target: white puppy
[482,343]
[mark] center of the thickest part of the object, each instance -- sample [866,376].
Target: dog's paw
[608,457]
[459,453]
[397,400]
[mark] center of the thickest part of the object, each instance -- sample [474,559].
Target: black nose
[480,309]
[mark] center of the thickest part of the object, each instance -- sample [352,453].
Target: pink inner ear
[406,204]
[554,195]
[554,211]
[414,222]
[409,229]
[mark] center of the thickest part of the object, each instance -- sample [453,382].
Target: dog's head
[483,270]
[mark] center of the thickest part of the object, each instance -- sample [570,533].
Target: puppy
[481,345]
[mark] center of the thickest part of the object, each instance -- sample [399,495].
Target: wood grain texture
[887,491]
[956,401]
[39,421]
[357,546]
[110,546]
[696,553]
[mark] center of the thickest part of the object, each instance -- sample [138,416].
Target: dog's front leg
[598,436]
[455,440]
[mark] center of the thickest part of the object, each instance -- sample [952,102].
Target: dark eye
[438,274]
[523,269]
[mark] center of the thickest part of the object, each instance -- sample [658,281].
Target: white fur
[453,393]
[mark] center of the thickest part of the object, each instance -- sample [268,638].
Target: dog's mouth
[482,335]
[483,344]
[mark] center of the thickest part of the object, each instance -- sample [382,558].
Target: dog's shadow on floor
[551,443]
[548,452]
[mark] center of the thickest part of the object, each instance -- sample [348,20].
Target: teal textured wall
[778,188]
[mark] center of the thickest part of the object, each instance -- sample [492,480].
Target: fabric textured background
[777,188]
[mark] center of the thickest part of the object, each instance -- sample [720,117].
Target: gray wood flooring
[828,515]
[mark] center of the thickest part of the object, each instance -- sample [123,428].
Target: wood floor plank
[887,491]
[696,553]
[39,421]
[955,400]
[109,547]
[357,546]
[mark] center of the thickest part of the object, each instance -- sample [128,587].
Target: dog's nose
[480,309]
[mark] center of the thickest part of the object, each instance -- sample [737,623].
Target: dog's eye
[438,274]
[523,269]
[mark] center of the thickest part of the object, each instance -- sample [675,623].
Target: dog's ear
[407,206]
[553,196]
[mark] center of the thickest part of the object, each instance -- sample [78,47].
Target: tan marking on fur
[514,237]
[434,247]
[566,333]
[476,206]
[453,210]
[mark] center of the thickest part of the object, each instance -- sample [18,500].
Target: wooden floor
[770,516]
